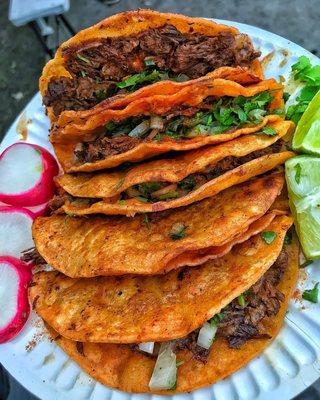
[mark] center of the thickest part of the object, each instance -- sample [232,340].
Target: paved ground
[21,56]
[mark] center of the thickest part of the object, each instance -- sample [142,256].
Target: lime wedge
[303,180]
[303,176]
[307,136]
[307,224]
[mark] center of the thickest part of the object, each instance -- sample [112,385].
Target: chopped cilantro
[178,231]
[146,221]
[83,74]
[214,321]
[170,195]
[241,300]
[268,236]
[311,294]
[288,238]
[297,176]
[84,59]
[121,202]
[304,72]
[101,94]
[268,130]
[187,183]
[143,77]
[143,199]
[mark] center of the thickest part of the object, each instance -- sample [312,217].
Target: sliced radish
[14,306]
[39,210]
[27,172]
[15,230]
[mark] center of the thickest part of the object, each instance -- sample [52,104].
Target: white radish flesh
[15,230]
[26,175]
[14,279]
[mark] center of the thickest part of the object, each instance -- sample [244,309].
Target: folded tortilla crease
[100,245]
[121,367]
[132,23]
[66,138]
[106,185]
[134,309]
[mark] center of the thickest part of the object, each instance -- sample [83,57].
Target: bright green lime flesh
[307,136]
[303,180]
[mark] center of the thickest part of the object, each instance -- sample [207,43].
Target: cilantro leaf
[143,77]
[311,294]
[84,59]
[268,236]
[241,300]
[178,231]
[268,130]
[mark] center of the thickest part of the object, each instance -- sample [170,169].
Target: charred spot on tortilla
[80,348]
[101,68]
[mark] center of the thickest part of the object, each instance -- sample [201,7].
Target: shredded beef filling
[238,324]
[96,66]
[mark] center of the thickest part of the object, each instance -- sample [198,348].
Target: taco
[136,48]
[203,112]
[133,309]
[100,245]
[174,182]
[241,329]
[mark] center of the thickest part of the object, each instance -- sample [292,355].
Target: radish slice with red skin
[15,230]
[26,175]
[37,211]
[14,305]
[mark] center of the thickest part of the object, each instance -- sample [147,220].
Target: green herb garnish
[241,300]
[297,176]
[84,59]
[268,130]
[83,74]
[311,294]
[178,231]
[170,195]
[288,238]
[268,236]
[145,76]
[148,62]
[187,183]
[146,221]
[214,321]
[304,72]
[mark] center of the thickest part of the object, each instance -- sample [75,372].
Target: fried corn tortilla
[192,117]
[169,183]
[134,309]
[87,247]
[122,367]
[136,48]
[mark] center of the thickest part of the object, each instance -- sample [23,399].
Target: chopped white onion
[156,122]
[147,347]
[164,375]
[140,129]
[206,335]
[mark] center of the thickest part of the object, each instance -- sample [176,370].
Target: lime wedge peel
[303,180]
[307,136]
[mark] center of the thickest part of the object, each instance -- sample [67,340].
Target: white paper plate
[286,368]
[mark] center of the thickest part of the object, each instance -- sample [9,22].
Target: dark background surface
[22,59]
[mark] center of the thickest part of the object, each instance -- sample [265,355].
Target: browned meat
[241,324]
[102,63]
[58,201]
[190,343]
[104,147]
[32,256]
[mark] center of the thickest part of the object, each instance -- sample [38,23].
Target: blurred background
[22,57]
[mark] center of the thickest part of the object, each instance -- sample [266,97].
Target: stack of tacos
[168,235]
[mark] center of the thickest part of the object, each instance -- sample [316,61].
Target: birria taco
[136,48]
[174,182]
[135,127]
[101,245]
[197,338]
